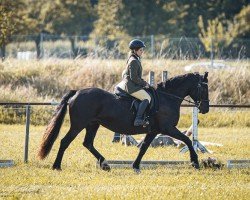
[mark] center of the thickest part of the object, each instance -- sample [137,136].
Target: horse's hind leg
[91,130]
[65,142]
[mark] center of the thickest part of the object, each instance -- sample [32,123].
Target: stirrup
[145,123]
[139,122]
[142,122]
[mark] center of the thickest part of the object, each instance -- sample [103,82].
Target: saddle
[154,103]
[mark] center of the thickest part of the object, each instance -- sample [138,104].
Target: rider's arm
[133,74]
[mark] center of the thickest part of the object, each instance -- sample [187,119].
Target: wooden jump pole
[238,164]
[144,163]
[6,163]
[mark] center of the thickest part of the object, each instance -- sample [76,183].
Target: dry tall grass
[47,79]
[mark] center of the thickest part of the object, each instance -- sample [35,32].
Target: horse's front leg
[146,142]
[175,133]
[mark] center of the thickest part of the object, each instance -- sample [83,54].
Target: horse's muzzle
[204,111]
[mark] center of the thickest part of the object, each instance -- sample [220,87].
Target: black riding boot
[139,121]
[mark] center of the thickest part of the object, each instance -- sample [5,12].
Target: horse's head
[200,93]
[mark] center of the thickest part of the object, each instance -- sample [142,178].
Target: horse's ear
[205,77]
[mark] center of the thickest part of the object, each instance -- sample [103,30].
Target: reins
[195,103]
[177,97]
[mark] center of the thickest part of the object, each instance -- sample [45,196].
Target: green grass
[80,179]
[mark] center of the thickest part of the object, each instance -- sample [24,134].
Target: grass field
[80,179]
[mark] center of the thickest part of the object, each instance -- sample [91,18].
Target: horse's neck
[182,91]
[179,87]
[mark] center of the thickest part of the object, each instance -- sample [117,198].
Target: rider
[132,81]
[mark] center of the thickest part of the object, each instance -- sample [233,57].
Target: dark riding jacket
[132,76]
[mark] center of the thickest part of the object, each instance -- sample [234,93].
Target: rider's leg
[145,100]
[139,120]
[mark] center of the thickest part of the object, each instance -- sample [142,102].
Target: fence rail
[29,103]
[56,103]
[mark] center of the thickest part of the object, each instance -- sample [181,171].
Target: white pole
[195,128]
[164,76]
[151,78]
[195,123]
[196,144]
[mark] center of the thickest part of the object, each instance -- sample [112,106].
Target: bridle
[198,101]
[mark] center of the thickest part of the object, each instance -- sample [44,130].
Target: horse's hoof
[137,171]
[195,165]
[104,166]
[57,168]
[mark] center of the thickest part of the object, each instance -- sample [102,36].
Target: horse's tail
[53,129]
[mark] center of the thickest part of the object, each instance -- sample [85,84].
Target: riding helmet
[136,44]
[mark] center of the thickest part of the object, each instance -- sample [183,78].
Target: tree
[241,22]
[11,17]
[108,23]
[39,19]
[187,12]
[76,19]
[145,17]
[68,17]
[108,29]
[221,32]
[215,35]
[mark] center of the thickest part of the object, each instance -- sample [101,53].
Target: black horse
[92,107]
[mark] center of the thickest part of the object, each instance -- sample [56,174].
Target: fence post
[152,46]
[41,45]
[151,78]
[26,146]
[195,128]
[212,53]
[164,76]
[196,143]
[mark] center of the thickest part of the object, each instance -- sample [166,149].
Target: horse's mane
[175,81]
